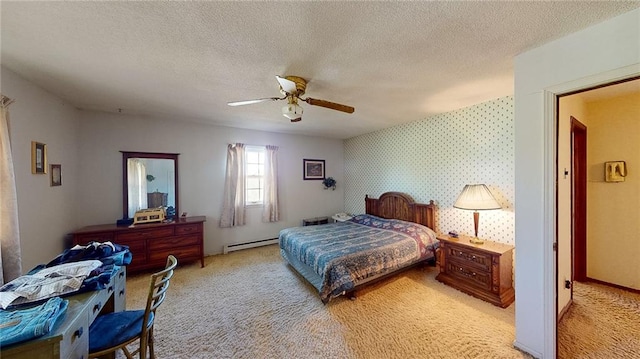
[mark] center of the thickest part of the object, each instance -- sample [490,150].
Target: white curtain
[234,188]
[137,180]
[271,209]
[10,257]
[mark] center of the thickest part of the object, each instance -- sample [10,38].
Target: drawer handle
[121,293]
[97,307]
[78,333]
[121,274]
[110,289]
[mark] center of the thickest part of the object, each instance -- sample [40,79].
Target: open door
[579,201]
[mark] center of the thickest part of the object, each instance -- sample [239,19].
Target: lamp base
[476,240]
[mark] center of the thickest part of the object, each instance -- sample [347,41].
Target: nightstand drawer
[473,258]
[474,277]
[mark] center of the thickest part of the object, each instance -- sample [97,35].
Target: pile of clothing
[76,270]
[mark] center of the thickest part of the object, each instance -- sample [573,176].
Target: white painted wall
[88,144]
[595,55]
[202,161]
[613,225]
[46,213]
[569,106]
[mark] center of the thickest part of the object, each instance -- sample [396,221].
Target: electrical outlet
[567,284]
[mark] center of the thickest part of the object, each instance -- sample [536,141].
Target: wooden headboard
[399,205]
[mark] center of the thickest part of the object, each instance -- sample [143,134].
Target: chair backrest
[158,286]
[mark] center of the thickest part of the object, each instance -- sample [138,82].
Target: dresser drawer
[145,233]
[83,239]
[138,251]
[173,242]
[188,229]
[475,259]
[181,253]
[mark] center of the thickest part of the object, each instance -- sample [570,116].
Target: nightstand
[481,270]
[315,221]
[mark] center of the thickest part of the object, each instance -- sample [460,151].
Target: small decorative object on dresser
[483,271]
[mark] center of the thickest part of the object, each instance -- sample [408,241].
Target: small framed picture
[38,158]
[56,175]
[313,169]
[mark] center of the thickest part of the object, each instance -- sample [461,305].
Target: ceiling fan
[292,88]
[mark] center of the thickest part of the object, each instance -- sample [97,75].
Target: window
[254,175]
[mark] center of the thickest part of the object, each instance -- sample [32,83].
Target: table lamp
[476,197]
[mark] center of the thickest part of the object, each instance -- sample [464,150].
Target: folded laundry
[46,283]
[22,324]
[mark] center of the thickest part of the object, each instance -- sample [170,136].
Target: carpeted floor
[602,322]
[249,304]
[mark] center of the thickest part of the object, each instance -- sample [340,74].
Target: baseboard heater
[246,245]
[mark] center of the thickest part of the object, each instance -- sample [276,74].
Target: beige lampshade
[476,197]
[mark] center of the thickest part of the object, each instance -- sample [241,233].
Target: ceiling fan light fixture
[292,111]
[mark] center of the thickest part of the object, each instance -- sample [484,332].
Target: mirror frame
[125,185]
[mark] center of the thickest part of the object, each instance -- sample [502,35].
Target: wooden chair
[113,331]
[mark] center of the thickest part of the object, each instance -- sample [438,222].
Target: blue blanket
[347,253]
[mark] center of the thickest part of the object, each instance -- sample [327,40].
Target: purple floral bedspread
[347,253]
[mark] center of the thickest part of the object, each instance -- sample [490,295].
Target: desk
[70,338]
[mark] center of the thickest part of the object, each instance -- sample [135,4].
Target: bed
[339,258]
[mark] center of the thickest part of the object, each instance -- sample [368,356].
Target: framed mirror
[150,180]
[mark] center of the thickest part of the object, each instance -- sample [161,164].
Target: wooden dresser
[151,243]
[481,270]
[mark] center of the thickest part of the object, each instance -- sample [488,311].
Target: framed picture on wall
[313,169]
[38,158]
[56,175]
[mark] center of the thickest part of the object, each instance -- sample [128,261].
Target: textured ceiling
[395,62]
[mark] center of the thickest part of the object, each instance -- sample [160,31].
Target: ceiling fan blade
[287,85]
[328,104]
[249,102]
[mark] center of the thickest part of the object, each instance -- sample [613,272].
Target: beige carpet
[249,304]
[602,322]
